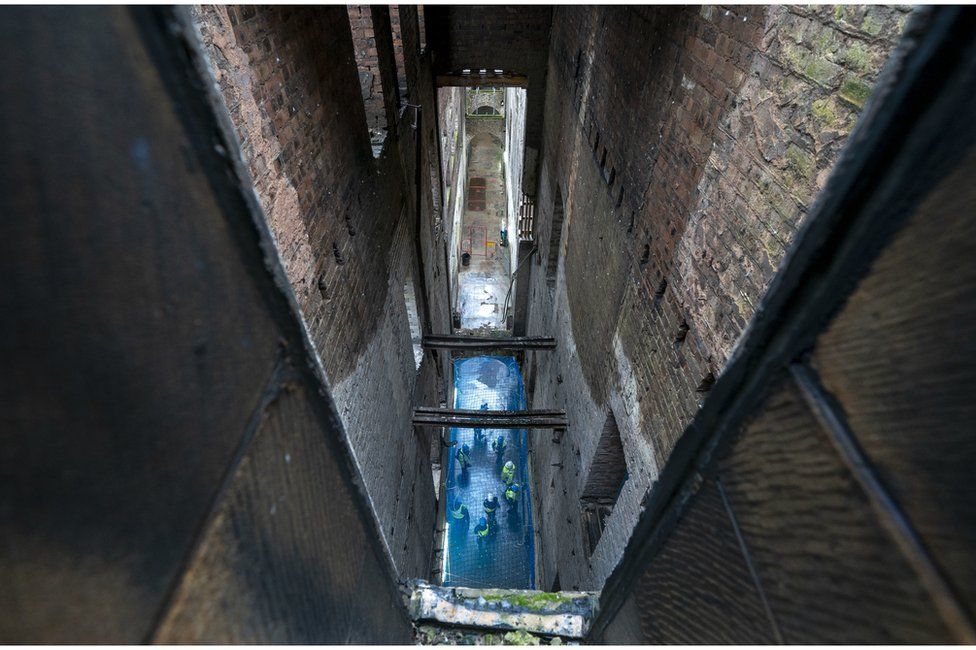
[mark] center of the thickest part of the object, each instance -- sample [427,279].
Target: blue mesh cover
[506,557]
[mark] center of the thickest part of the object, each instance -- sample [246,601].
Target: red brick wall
[367,59]
[398,50]
[343,223]
[687,144]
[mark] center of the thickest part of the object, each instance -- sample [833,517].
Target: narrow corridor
[503,556]
[483,283]
[291,292]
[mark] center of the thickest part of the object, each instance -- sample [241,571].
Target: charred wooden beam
[474,79]
[460,342]
[536,419]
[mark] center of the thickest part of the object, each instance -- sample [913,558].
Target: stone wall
[684,156]
[485,101]
[344,225]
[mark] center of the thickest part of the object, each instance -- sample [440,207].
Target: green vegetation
[857,58]
[826,42]
[531,600]
[800,162]
[823,110]
[855,92]
[871,25]
[811,66]
[520,637]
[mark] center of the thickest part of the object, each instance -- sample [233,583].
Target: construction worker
[508,473]
[511,494]
[479,434]
[481,530]
[498,445]
[459,511]
[463,456]
[491,505]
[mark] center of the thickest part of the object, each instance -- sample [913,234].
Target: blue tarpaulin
[505,558]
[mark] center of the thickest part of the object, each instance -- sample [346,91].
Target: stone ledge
[565,614]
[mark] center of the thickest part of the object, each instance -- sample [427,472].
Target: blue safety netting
[506,556]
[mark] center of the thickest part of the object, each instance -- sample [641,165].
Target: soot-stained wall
[682,147]
[346,227]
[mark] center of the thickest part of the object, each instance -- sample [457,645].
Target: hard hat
[465,448]
[510,464]
[483,521]
[491,496]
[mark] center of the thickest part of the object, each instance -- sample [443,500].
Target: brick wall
[686,145]
[398,50]
[368,63]
[344,225]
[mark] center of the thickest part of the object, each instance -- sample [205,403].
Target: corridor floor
[483,284]
[505,558]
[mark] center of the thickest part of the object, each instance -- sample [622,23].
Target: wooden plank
[830,573]
[461,342]
[136,343]
[698,589]
[890,514]
[282,560]
[901,361]
[145,328]
[539,419]
[476,79]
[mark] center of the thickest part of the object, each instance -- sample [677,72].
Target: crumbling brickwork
[685,146]
[343,223]
[401,65]
[370,77]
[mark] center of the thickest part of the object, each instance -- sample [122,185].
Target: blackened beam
[457,342]
[476,79]
[541,419]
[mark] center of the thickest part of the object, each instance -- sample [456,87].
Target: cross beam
[477,78]
[467,419]
[459,342]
